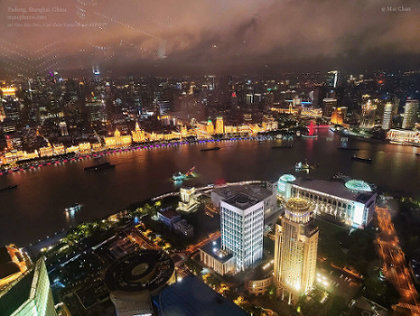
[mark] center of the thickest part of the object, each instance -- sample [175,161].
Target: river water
[36,208]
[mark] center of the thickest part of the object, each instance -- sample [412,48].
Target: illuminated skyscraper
[30,295]
[387,119]
[410,114]
[241,226]
[219,126]
[332,79]
[249,98]
[368,115]
[295,252]
[96,73]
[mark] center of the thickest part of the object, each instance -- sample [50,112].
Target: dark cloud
[217,35]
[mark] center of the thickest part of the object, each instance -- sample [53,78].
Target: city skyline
[209,158]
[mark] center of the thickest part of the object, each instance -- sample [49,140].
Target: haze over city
[168,37]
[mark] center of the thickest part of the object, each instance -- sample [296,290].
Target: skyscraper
[30,295]
[410,114]
[387,119]
[368,115]
[328,105]
[332,79]
[241,226]
[295,252]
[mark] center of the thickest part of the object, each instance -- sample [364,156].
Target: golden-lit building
[118,140]
[210,127]
[72,149]
[46,151]
[13,263]
[338,115]
[138,134]
[295,252]
[8,91]
[85,148]
[59,149]
[219,126]
[96,147]
[2,113]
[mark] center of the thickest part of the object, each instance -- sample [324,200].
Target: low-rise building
[217,259]
[168,217]
[188,199]
[183,228]
[352,202]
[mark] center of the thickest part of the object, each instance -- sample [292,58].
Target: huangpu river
[35,209]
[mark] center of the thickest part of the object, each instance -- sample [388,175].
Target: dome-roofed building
[351,202]
[134,278]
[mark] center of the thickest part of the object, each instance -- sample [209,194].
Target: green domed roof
[358,185]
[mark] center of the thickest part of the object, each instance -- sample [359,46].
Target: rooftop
[169,213]
[242,201]
[252,190]
[145,270]
[214,250]
[334,188]
[192,297]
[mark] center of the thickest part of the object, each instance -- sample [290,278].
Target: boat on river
[358,158]
[8,188]
[100,167]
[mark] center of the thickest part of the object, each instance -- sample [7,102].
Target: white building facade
[242,226]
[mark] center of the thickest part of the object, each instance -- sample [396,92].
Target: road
[394,263]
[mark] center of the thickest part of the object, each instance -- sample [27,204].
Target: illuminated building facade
[328,105]
[13,262]
[295,252]
[118,140]
[8,92]
[210,127]
[138,134]
[368,115]
[220,130]
[217,259]
[402,136]
[63,129]
[352,203]
[241,226]
[338,115]
[332,79]
[387,118]
[188,199]
[30,295]
[410,114]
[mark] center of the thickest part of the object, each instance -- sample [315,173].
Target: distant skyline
[193,37]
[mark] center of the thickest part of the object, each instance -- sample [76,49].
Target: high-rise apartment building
[368,115]
[410,114]
[242,226]
[387,119]
[295,252]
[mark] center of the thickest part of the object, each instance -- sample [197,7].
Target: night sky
[187,36]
